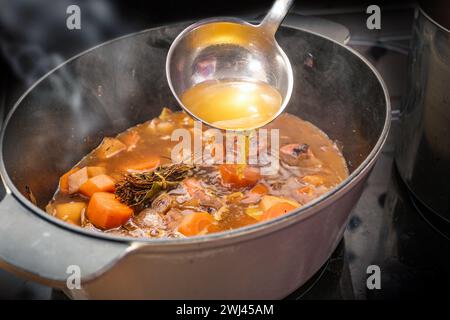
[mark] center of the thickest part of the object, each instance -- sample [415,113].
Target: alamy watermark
[73,21]
[374,279]
[73,281]
[259,147]
[374,20]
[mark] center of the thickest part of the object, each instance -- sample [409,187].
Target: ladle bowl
[224,49]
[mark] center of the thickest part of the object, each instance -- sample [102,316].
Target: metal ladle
[231,49]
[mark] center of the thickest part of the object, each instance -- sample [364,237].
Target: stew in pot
[129,185]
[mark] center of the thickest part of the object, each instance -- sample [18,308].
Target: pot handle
[44,252]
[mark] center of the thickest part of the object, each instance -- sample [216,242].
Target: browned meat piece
[196,191]
[173,218]
[296,154]
[210,202]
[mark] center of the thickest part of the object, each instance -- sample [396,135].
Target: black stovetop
[387,228]
[411,251]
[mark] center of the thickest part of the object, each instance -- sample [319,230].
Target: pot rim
[253,230]
[431,20]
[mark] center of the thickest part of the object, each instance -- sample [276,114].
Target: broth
[233,104]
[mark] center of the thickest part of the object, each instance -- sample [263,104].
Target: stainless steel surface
[102,92]
[423,157]
[231,49]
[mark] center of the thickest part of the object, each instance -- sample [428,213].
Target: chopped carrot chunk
[268,201]
[260,189]
[237,175]
[98,183]
[195,223]
[105,211]
[95,171]
[145,165]
[277,210]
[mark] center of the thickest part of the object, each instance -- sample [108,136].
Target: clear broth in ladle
[233,104]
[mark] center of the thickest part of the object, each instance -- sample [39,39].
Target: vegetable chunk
[105,211]
[95,171]
[70,211]
[195,223]
[64,180]
[277,210]
[148,164]
[237,175]
[110,147]
[268,201]
[76,179]
[98,183]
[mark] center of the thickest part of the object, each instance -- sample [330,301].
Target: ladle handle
[273,19]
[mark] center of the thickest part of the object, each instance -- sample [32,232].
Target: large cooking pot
[121,83]
[423,159]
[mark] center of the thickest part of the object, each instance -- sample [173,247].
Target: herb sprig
[140,189]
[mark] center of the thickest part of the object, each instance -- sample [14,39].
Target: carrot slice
[98,183]
[195,223]
[145,165]
[260,189]
[64,180]
[237,175]
[105,211]
[277,210]
[268,201]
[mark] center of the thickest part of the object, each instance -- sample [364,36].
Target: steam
[35,39]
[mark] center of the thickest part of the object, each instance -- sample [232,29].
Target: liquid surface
[234,105]
[219,197]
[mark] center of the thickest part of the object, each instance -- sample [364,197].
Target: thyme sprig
[140,189]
